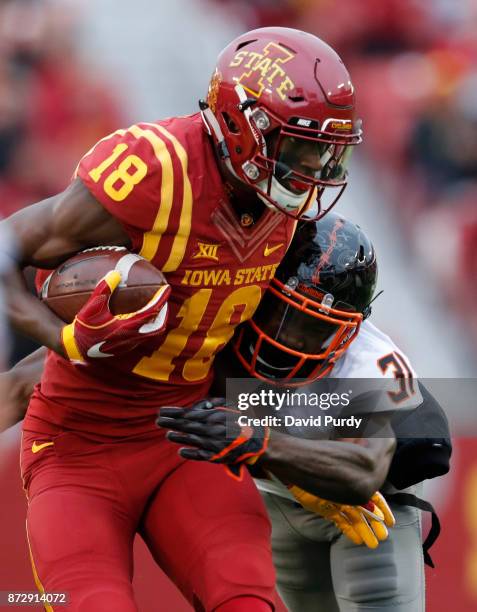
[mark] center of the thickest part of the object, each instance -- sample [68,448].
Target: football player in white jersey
[312,324]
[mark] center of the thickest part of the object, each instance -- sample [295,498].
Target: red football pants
[88,499]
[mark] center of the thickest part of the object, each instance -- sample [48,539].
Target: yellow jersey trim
[36,578]
[181,238]
[151,239]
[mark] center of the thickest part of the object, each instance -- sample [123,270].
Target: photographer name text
[293,421]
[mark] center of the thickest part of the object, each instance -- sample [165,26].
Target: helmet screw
[292,283]
[251,170]
[261,120]
[327,301]
[238,150]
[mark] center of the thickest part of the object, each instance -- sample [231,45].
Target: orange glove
[361,524]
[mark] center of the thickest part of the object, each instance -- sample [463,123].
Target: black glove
[211,428]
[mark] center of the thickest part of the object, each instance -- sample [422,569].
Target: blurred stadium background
[73,70]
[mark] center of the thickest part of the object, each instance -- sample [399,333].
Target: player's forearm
[30,317]
[339,471]
[17,386]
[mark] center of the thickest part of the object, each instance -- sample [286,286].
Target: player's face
[298,340]
[293,329]
[300,157]
[296,157]
[297,330]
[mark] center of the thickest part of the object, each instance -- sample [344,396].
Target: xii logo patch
[206,251]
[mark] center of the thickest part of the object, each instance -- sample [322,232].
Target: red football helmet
[281,111]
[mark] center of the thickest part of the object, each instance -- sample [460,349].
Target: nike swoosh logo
[269,250]
[36,448]
[157,324]
[94,352]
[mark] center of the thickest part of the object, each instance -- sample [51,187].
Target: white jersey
[362,358]
[375,357]
[372,356]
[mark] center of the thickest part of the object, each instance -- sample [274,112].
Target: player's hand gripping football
[95,332]
[211,428]
[361,524]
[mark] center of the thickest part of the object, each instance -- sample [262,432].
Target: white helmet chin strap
[213,128]
[248,113]
[291,202]
[211,123]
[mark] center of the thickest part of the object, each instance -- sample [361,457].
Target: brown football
[68,287]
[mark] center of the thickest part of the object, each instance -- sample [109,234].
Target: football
[68,287]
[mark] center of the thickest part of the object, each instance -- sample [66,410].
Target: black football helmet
[314,306]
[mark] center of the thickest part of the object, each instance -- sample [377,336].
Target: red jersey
[161,181]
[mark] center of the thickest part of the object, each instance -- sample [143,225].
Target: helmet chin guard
[281,111]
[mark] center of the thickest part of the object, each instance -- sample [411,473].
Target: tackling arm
[344,472]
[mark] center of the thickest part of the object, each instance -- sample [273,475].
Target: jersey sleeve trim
[152,238]
[181,238]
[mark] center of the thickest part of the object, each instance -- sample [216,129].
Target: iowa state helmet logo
[264,71]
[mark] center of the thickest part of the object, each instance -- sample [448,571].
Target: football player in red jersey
[212,200]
